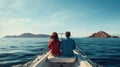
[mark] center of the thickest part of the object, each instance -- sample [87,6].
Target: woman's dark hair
[54,36]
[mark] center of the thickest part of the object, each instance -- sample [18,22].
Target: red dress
[54,47]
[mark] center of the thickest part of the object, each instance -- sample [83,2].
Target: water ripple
[15,51]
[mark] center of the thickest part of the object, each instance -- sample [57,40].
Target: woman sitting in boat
[54,44]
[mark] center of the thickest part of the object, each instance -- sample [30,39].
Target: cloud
[11,8]
[13,25]
[2,3]
[18,20]
[11,22]
[63,15]
[11,4]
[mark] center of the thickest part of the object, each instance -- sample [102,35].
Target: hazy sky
[81,17]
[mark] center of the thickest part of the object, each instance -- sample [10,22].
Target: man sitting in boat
[67,45]
[54,44]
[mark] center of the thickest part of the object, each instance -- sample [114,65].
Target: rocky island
[101,34]
[28,35]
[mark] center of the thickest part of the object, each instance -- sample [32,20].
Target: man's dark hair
[67,34]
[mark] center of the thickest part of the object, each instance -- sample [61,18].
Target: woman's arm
[50,44]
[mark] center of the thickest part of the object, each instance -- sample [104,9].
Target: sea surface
[16,51]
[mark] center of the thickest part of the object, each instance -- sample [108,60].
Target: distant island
[102,34]
[28,35]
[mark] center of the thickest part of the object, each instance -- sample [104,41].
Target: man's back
[67,46]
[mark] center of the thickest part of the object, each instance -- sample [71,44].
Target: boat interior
[51,61]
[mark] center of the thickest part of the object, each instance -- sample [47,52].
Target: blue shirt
[67,45]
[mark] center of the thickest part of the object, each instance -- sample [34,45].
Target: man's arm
[62,44]
[74,45]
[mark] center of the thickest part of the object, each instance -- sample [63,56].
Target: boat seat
[61,59]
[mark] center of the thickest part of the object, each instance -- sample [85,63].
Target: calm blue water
[15,51]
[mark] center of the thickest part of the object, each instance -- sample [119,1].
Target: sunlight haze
[80,17]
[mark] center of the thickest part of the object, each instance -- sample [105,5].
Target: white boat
[79,60]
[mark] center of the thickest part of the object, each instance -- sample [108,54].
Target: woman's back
[54,47]
[54,44]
